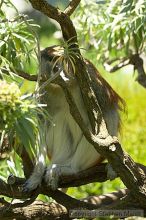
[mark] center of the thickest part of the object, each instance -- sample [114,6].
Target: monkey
[62,139]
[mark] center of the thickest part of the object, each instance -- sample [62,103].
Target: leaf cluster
[17,40]
[64,56]
[114,28]
[18,115]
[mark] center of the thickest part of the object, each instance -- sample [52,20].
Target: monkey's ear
[56,51]
[52,52]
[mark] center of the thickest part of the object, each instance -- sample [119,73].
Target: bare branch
[107,201]
[134,60]
[25,75]
[71,7]
[118,66]
[46,8]
[22,74]
[122,163]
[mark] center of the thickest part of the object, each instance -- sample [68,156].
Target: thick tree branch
[50,211]
[46,211]
[107,201]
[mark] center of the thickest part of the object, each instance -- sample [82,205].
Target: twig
[13,20]
[134,60]
[118,66]
[22,74]
[27,76]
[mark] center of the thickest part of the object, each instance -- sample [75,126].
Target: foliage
[17,40]
[19,122]
[115,29]
[65,56]
[18,116]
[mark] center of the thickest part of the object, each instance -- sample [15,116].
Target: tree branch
[53,210]
[107,201]
[68,30]
[118,66]
[25,75]
[71,7]
[49,211]
[22,74]
[134,60]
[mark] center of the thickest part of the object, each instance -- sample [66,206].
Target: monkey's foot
[35,179]
[52,175]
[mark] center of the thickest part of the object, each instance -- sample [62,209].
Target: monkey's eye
[50,58]
[46,57]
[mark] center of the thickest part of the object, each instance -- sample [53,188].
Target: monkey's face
[52,65]
[49,66]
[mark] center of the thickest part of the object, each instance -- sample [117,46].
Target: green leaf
[21,38]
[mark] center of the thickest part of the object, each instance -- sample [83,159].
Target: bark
[38,210]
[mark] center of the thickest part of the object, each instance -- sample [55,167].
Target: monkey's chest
[63,135]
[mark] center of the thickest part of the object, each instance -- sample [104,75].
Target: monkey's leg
[54,172]
[85,156]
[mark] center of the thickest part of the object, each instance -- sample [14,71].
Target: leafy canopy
[114,28]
